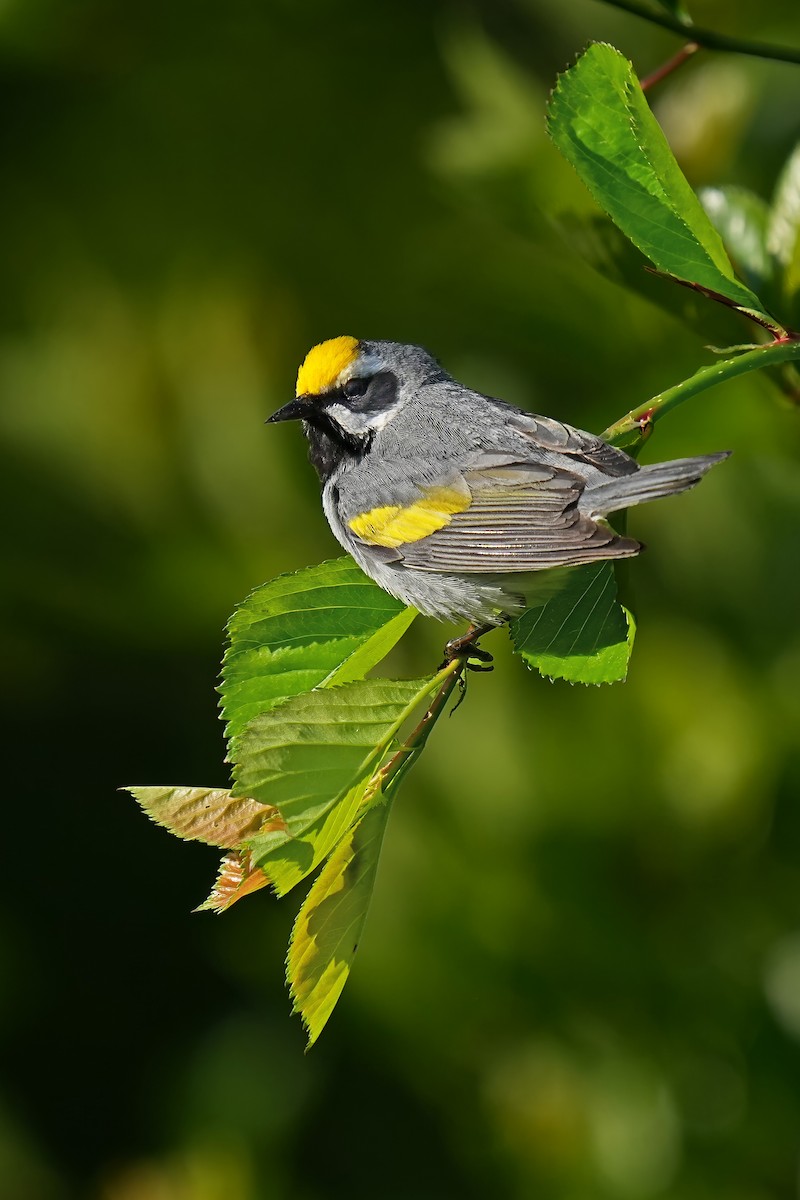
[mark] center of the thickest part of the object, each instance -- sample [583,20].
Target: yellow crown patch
[324,364]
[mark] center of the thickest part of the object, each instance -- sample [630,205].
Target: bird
[457,503]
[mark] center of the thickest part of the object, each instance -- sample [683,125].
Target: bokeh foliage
[583,956]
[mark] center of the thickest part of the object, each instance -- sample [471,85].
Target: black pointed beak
[293,411]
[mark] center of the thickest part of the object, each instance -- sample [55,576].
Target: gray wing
[587,449]
[521,517]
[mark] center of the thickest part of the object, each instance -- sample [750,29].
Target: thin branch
[632,429]
[708,37]
[684,54]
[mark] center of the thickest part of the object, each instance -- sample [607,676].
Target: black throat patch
[329,445]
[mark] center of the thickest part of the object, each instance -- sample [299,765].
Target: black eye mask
[373,395]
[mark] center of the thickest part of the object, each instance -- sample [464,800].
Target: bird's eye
[355,387]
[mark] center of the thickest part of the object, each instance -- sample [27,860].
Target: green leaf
[324,624]
[313,748]
[210,815]
[373,650]
[599,119]
[741,217]
[289,859]
[582,634]
[328,927]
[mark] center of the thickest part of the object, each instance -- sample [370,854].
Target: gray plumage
[533,492]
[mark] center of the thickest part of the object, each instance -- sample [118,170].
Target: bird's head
[351,389]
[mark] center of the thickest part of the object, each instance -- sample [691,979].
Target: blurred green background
[581,974]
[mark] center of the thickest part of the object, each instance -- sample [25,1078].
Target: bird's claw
[472,666]
[466,649]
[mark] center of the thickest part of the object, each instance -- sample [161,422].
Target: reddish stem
[779,334]
[672,64]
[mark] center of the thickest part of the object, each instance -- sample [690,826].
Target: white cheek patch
[343,417]
[378,420]
[360,423]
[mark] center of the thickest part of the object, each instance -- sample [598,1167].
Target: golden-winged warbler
[452,501]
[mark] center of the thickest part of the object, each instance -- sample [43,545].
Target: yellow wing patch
[395,526]
[324,364]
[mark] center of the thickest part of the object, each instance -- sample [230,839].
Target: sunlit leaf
[601,122]
[210,815]
[310,752]
[582,634]
[288,860]
[237,877]
[373,650]
[328,927]
[324,624]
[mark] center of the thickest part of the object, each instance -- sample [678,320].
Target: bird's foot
[466,649]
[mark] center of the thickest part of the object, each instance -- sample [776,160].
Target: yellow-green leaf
[316,756]
[289,860]
[328,927]
[310,751]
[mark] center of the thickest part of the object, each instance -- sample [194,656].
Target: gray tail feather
[648,483]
